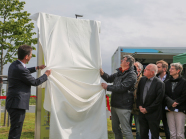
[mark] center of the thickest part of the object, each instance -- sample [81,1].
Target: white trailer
[145,55]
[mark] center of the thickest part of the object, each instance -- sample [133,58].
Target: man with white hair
[149,100]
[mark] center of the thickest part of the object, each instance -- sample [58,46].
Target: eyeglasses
[147,69]
[123,59]
[172,69]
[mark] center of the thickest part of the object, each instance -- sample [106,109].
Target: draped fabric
[73,93]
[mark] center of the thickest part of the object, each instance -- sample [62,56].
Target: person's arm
[28,79]
[32,69]
[125,85]
[160,95]
[106,77]
[169,102]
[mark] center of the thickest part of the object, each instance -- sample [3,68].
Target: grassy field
[29,126]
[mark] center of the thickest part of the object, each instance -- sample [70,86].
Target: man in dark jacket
[164,76]
[20,81]
[122,96]
[150,95]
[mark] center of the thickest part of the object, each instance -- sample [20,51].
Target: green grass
[2,102]
[29,128]
[109,128]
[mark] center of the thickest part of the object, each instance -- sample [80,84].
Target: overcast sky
[157,23]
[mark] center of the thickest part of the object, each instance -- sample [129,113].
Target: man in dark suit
[149,99]
[20,81]
[164,76]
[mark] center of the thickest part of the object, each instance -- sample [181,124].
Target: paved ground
[31,109]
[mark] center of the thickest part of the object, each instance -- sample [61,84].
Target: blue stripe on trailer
[139,50]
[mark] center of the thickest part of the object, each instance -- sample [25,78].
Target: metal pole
[38,95]
[4,124]
[5,111]
[77,15]
[8,122]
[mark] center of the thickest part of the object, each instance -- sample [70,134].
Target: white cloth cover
[73,95]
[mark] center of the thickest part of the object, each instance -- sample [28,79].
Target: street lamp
[77,15]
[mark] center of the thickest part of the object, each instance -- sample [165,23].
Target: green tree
[15,30]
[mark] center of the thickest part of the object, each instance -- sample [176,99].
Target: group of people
[157,95]
[149,98]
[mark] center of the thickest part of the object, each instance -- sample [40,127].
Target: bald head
[150,70]
[154,68]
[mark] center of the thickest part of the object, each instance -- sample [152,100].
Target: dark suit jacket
[153,100]
[20,81]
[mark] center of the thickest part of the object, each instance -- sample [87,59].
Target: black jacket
[179,94]
[153,99]
[122,88]
[20,81]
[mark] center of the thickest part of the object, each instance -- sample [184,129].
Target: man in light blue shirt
[163,75]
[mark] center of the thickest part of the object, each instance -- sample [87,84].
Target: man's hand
[142,110]
[140,107]
[174,104]
[48,72]
[42,67]
[101,72]
[104,85]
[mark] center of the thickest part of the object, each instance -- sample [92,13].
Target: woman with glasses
[175,97]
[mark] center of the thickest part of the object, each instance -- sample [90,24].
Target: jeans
[136,119]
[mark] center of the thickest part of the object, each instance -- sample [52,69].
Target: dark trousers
[165,125]
[145,125]
[17,117]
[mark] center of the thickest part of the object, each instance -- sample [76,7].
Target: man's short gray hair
[178,66]
[140,66]
[154,68]
[130,59]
